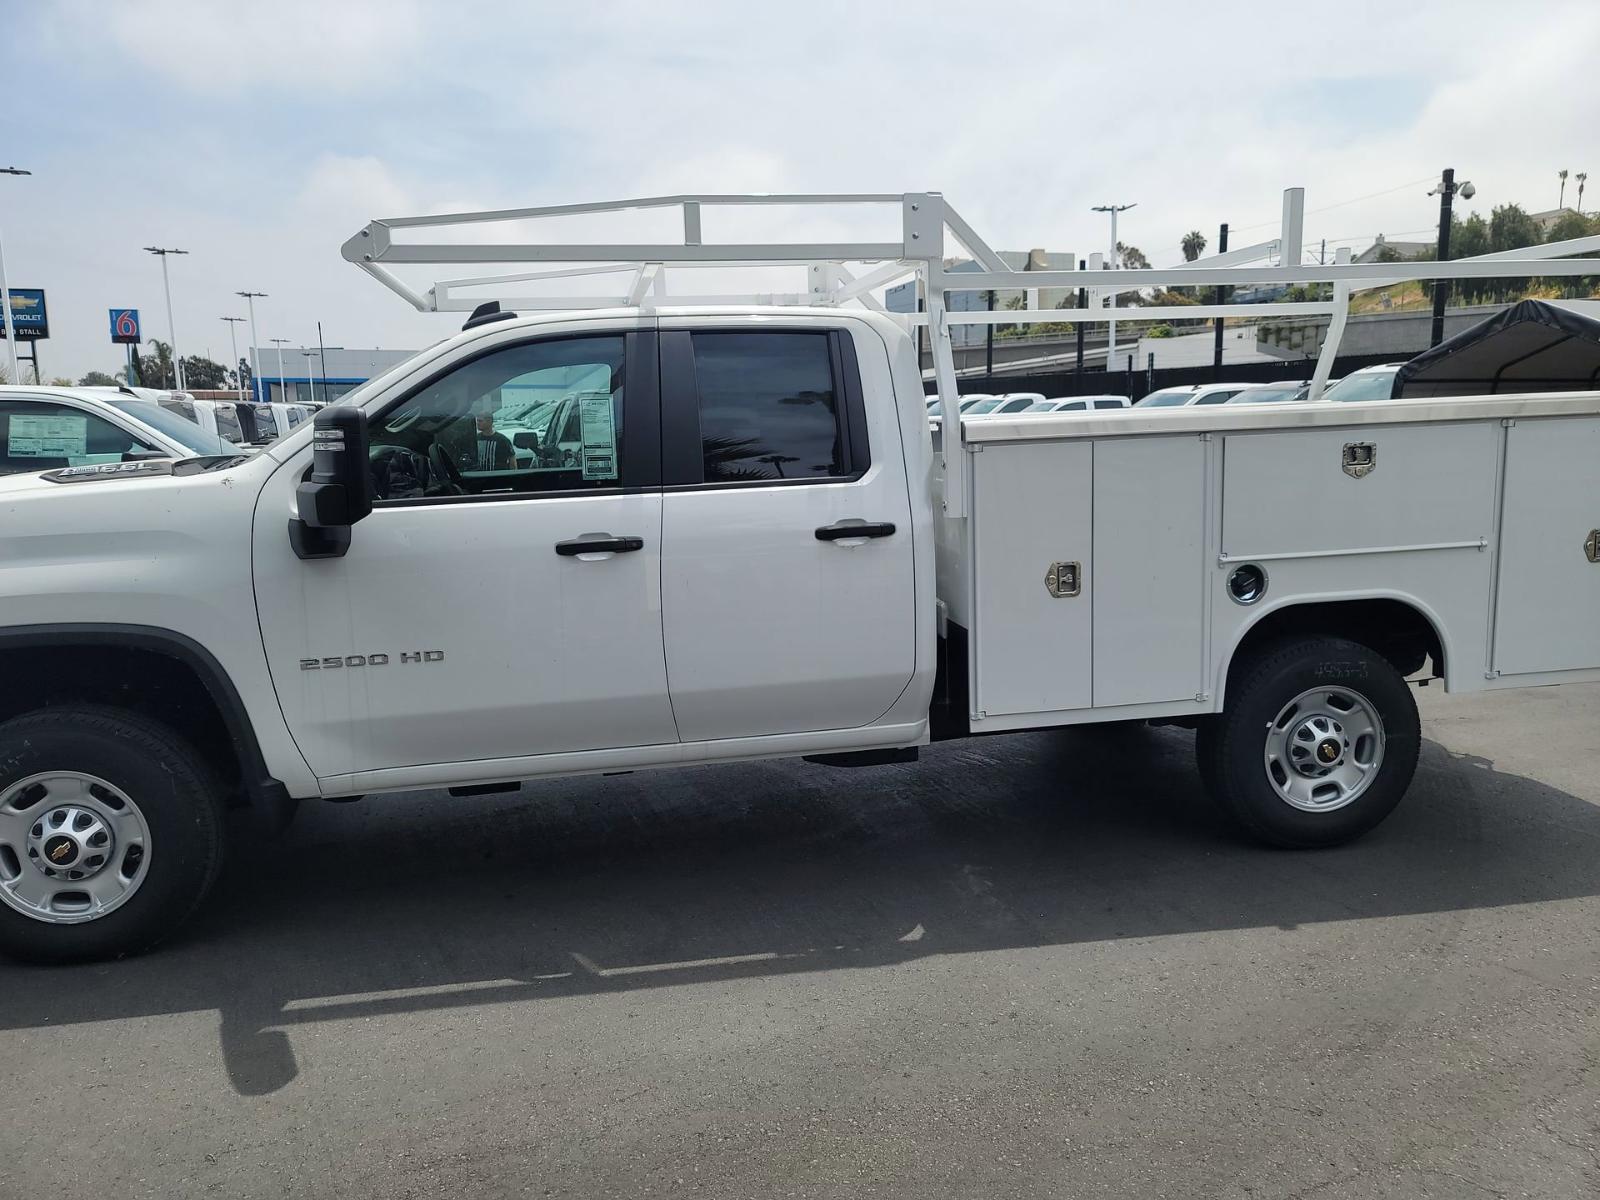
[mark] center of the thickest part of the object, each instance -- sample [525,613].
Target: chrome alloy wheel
[72,847]
[1324,749]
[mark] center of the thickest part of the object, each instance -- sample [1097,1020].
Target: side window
[536,417]
[44,437]
[228,427]
[1109,404]
[769,407]
[1216,397]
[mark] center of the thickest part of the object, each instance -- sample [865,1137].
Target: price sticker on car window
[598,455]
[58,435]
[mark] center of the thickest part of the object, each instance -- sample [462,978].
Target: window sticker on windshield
[599,452]
[63,435]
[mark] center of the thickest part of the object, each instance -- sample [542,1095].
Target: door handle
[598,543]
[840,530]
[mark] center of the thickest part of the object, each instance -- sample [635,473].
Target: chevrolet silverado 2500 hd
[748,547]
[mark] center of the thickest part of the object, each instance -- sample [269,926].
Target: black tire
[1232,745]
[177,795]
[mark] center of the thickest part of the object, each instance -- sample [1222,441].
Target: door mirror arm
[338,492]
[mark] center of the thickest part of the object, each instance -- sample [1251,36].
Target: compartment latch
[1064,579]
[1360,459]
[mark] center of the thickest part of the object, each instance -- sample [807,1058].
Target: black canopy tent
[1532,346]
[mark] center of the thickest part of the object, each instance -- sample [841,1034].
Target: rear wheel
[110,833]
[1317,744]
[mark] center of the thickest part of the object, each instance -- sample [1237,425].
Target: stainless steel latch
[1591,546]
[1360,459]
[1064,579]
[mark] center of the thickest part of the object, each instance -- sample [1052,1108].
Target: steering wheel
[444,466]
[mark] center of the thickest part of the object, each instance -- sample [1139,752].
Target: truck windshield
[176,427]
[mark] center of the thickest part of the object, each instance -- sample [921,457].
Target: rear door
[788,592]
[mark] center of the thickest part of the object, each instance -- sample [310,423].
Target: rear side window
[1109,404]
[228,427]
[769,407]
[1216,397]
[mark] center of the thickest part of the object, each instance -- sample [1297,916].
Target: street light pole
[255,343]
[1111,330]
[8,317]
[312,379]
[172,328]
[233,344]
[283,387]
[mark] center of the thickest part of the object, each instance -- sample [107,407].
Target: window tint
[768,409]
[44,437]
[1221,397]
[538,417]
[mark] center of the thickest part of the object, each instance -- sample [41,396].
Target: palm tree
[1562,175]
[1194,245]
[1581,177]
[159,364]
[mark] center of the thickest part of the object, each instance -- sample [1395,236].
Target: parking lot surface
[1034,965]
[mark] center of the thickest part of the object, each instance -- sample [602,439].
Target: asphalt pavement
[1034,965]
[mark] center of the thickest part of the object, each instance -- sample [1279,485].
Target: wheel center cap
[1328,751]
[61,851]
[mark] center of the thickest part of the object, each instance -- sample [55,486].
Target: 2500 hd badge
[369,660]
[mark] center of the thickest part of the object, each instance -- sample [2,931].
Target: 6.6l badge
[369,660]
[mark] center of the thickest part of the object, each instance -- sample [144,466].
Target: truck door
[491,606]
[788,594]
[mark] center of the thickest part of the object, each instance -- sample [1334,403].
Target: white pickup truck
[749,554]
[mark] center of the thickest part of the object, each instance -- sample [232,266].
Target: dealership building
[302,373]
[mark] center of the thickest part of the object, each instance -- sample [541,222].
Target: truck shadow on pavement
[420,902]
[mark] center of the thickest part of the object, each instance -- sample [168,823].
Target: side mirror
[339,492]
[526,440]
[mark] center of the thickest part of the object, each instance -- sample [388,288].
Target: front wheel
[1316,745]
[110,833]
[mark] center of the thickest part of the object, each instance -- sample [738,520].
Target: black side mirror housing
[526,440]
[339,491]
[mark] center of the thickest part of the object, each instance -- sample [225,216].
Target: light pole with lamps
[1111,330]
[233,344]
[283,388]
[172,328]
[7,316]
[310,354]
[250,299]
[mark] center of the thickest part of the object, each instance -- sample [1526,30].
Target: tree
[1562,175]
[1194,245]
[155,368]
[1510,228]
[59,381]
[97,379]
[243,376]
[1571,225]
[1582,177]
[204,374]
[1132,258]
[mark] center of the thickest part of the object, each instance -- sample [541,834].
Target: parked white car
[1193,393]
[45,428]
[1066,404]
[999,406]
[1369,383]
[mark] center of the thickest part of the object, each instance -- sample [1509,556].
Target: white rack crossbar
[928,224]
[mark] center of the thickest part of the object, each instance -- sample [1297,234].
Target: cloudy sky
[260,135]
